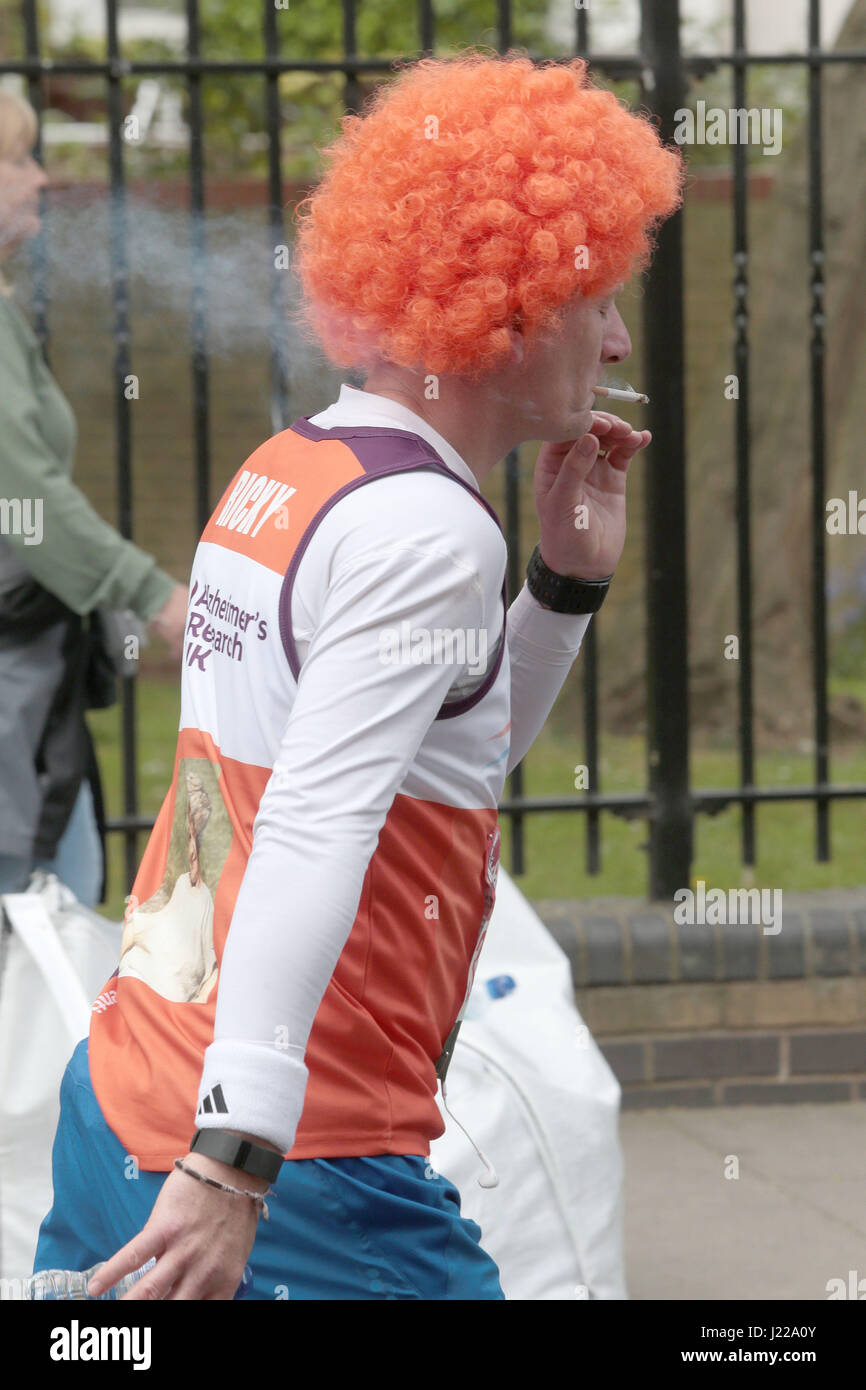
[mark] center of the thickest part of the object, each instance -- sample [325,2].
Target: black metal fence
[663,72]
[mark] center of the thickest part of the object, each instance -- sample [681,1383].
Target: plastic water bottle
[497,987]
[72,1284]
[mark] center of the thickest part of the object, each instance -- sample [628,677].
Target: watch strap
[561,592]
[239,1153]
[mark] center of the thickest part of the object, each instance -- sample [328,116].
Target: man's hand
[201,1237]
[170,622]
[588,472]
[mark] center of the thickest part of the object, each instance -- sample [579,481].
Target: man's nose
[616,344]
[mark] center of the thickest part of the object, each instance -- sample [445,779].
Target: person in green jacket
[59,562]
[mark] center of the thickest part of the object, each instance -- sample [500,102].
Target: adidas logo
[213,1103]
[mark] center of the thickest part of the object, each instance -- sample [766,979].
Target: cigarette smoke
[237,270]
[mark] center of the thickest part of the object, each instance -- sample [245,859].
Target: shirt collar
[355,407]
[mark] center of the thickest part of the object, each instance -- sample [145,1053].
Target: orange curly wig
[456,207]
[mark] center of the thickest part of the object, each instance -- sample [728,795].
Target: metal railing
[663,72]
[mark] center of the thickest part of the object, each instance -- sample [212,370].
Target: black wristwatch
[562,593]
[237,1153]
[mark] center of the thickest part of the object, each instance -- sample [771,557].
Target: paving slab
[793,1218]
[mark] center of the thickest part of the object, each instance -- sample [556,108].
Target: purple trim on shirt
[381,452]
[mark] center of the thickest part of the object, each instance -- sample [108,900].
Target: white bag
[526,1080]
[55,956]
[532,1089]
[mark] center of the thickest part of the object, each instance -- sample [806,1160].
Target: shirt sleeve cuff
[257,1088]
[554,634]
[153,594]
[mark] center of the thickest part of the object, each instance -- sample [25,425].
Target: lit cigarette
[615,395]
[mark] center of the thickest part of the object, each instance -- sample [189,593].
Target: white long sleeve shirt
[361,572]
[406,553]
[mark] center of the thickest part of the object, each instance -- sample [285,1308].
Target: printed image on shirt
[168,941]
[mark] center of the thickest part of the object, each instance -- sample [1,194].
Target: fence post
[670,825]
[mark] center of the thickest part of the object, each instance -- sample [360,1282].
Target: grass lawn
[555,853]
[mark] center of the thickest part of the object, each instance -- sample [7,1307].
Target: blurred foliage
[11,28]
[312,103]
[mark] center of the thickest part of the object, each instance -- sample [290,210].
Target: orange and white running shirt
[306,919]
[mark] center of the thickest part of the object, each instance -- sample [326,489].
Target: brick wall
[722,1014]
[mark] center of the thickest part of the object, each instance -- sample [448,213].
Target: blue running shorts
[387,1226]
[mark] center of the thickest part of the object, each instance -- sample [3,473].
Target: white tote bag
[55,956]
[526,1080]
[530,1086]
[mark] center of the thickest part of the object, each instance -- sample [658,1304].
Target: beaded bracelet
[258,1198]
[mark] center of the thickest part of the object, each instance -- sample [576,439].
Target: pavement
[792,1220]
